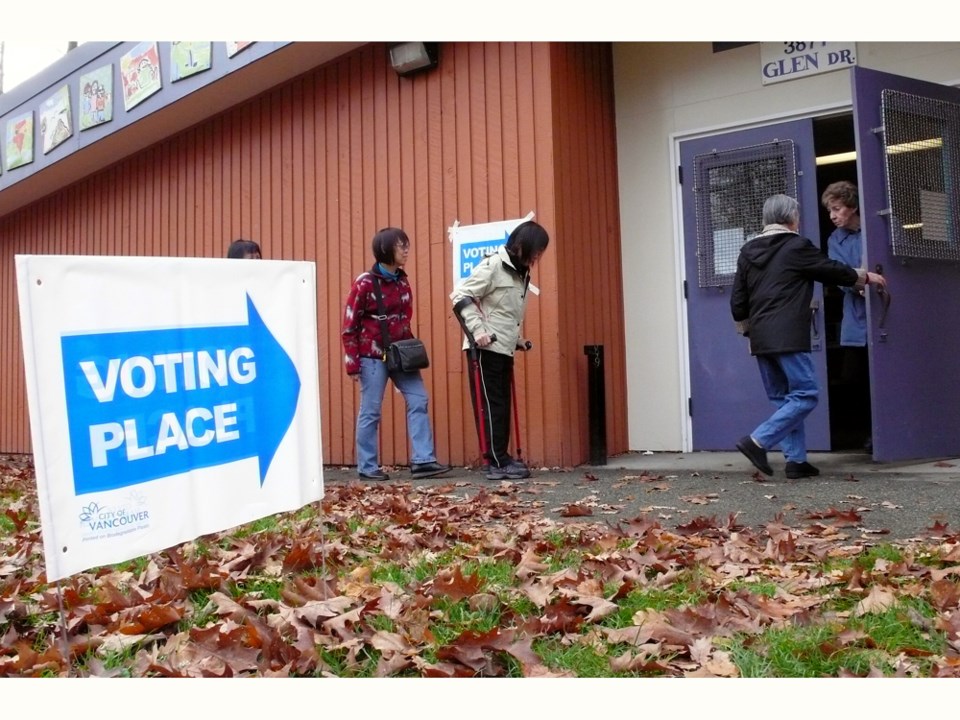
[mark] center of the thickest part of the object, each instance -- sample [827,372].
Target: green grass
[355,525]
[261,587]
[307,512]
[807,653]
[46,626]
[121,660]
[493,574]
[381,623]
[679,594]
[418,569]
[203,611]
[135,566]
[564,559]
[868,560]
[759,587]
[580,659]
[199,548]
[6,525]
[264,524]
[556,537]
[893,630]
[340,664]
[458,618]
[785,652]
[820,651]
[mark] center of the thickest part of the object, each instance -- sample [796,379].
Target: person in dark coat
[770,303]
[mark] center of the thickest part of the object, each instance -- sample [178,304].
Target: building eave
[176,107]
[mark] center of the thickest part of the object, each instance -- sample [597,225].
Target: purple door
[725,180]
[908,157]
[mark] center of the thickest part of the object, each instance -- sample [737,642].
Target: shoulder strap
[382,317]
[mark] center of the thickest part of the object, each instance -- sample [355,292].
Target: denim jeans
[790,380]
[373,382]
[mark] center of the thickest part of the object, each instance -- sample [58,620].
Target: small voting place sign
[472,243]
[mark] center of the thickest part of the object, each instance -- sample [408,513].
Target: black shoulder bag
[402,355]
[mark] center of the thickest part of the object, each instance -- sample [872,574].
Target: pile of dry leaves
[387,580]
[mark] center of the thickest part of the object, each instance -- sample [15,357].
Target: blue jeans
[790,380]
[373,382]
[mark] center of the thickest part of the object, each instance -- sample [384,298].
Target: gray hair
[781,210]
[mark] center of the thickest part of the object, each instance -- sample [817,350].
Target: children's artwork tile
[55,120]
[96,97]
[188,58]
[235,46]
[140,74]
[19,143]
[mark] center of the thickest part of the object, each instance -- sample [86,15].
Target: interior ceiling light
[837,158]
[915,145]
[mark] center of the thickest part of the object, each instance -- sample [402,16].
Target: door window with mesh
[730,189]
[922,159]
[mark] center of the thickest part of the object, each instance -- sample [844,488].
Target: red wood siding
[588,277]
[312,168]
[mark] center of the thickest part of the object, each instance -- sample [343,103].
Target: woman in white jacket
[491,304]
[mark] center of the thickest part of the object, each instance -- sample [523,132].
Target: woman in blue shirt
[842,201]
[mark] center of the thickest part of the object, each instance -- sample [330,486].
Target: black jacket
[773,287]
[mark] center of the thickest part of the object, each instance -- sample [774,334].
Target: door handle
[884,296]
[814,324]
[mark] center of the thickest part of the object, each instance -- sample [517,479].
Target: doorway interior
[848,385]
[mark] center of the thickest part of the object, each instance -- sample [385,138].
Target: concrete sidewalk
[831,463]
[854,497]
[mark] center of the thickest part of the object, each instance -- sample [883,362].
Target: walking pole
[475,366]
[513,396]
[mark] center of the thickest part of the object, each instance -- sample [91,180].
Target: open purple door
[725,180]
[908,152]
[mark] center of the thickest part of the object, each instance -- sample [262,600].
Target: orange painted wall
[588,276]
[314,167]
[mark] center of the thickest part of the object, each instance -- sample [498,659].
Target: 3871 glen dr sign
[782,61]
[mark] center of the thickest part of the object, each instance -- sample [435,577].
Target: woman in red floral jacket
[364,355]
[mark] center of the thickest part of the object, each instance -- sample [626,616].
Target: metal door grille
[730,189]
[921,160]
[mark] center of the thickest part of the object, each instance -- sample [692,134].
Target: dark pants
[496,372]
[855,376]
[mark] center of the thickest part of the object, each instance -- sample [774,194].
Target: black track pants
[496,371]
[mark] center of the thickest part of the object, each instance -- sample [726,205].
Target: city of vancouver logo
[105,521]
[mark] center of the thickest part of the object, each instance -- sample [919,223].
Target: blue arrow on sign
[147,404]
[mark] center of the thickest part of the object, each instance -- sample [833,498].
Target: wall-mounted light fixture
[408,58]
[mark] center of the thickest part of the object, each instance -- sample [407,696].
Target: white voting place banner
[472,243]
[168,397]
